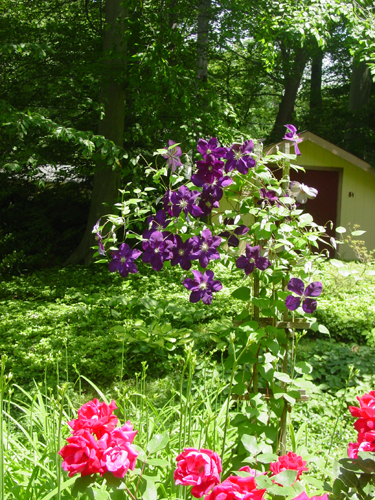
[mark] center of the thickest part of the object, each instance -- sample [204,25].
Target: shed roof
[332,148]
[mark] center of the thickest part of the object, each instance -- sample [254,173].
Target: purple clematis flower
[216,187]
[232,240]
[207,202]
[182,252]
[308,304]
[157,250]
[239,157]
[123,260]
[157,222]
[270,196]
[252,259]
[173,156]
[208,169]
[205,248]
[301,192]
[98,238]
[292,135]
[184,200]
[211,148]
[202,286]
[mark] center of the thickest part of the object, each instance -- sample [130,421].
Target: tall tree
[107,178]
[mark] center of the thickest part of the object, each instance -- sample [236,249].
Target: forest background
[89,89]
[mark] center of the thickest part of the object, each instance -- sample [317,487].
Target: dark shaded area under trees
[97,84]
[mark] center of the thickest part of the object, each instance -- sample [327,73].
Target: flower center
[208,204]
[203,286]
[183,203]
[204,247]
[210,168]
[181,252]
[123,259]
[157,250]
[208,151]
[238,154]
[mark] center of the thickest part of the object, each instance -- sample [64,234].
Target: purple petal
[249,268]
[190,284]
[296,285]
[314,289]
[230,165]
[208,275]
[207,298]
[113,266]
[124,271]
[242,262]
[132,268]
[134,254]
[309,305]
[247,146]
[241,230]
[204,260]
[156,262]
[292,303]
[262,263]
[195,211]
[296,149]
[292,128]
[206,234]
[198,276]
[242,166]
[195,296]
[217,286]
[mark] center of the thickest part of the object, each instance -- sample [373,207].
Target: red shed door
[324,207]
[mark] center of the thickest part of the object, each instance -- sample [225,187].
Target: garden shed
[345,184]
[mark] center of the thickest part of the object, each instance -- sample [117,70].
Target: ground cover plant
[227,426]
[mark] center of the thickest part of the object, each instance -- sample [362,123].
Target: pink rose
[236,488]
[118,460]
[353,450]
[303,496]
[83,453]
[290,461]
[96,417]
[198,468]
[364,425]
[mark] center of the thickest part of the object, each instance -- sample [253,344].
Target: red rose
[96,417]
[290,461]
[118,460]
[367,406]
[198,468]
[236,488]
[83,453]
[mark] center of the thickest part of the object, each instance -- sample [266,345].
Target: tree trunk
[360,87]
[204,8]
[106,178]
[292,81]
[316,80]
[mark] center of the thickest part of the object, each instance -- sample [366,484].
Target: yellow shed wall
[359,209]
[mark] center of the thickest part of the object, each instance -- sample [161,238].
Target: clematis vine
[268,196]
[305,295]
[239,157]
[231,236]
[205,247]
[98,238]
[207,202]
[173,156]
[123,260]
[301,192]
[252,260]
[202,286]
[292,135]
[211,148]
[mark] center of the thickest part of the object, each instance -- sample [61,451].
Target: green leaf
[267,458]
[242,293]
[250,444]
[357,233]
[283,377]
[158,442]
[323,329]
[286,477]
[340,229]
